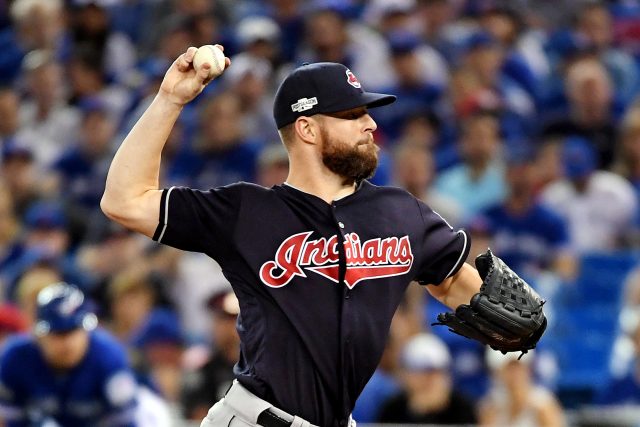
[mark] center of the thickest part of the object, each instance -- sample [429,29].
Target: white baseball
[212,55]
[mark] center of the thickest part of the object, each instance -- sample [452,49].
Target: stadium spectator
[20,176]
[484,55]
[288,15]
[12,322]
[46,122]
[81,168]
[413,86]
[37,24]
[107,250]
[10,123]
[150,331]
[208,382]
[331,36]
[9,226]
[441,28]
[45,240]
[391,16]
[32,281]
[514,399]
[590,111]
[158,349]
[579,198]
[91,30]
[87,80]
[399,17]
[428,396]
[260,37]
[595,22]
[628,156]
[248,80]
[525,62]
[73,373]
[478,182]
[415,171]
[529,236]
[273,165]
[407,322]
[221,152]
[132,299]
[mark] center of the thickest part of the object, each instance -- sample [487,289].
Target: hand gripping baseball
[183,82]
[506,314]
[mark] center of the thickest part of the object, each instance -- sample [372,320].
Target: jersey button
[340,224]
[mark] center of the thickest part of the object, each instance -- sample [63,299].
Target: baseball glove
[506,314]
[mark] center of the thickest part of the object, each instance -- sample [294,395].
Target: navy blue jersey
[100,391]
[318,283]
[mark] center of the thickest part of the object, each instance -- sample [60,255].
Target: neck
[423,402]
[591,116]
[316,179]
[519,202]
[478,168]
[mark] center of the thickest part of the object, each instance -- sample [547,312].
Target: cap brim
[365,99]
[374,100]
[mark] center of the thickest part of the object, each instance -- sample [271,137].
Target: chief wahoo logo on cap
[352,79]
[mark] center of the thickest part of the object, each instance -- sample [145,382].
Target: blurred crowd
[518,120]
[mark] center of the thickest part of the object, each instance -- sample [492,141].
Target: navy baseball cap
[62,308]
[323,87]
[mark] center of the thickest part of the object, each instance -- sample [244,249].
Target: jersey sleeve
[12,399]
[443,249]
[198,221]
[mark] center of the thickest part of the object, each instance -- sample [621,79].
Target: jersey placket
[345,330]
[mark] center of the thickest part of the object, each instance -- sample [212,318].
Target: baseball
[211,54]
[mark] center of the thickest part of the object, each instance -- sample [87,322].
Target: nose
[370,124]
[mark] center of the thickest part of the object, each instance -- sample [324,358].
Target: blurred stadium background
[518,120]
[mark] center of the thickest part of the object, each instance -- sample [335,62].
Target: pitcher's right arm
[132,191]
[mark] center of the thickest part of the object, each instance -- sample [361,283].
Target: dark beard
[353,163]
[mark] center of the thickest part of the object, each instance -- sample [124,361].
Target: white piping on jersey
[464,248]
[166,214]
[445,221]
[296,188]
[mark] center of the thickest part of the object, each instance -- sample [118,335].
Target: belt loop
[299,422]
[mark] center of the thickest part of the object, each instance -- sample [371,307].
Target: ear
[307,129]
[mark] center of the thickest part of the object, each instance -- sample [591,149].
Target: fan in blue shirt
[66,373]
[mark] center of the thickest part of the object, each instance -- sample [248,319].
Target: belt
[269,419]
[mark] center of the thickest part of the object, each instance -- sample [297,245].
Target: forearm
[135,168]
[459,288]
[132,195]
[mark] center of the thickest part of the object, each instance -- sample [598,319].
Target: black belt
[269,419]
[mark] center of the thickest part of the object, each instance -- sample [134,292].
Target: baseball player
[66,373]
[319,263]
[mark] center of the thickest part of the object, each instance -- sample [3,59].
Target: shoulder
[107,350]
[557,192]
[544,214]
[384,190]
[611,182]
[232,191]
[389,196]
[18,349]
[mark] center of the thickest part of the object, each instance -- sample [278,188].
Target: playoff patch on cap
[323,87]
[304,104]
